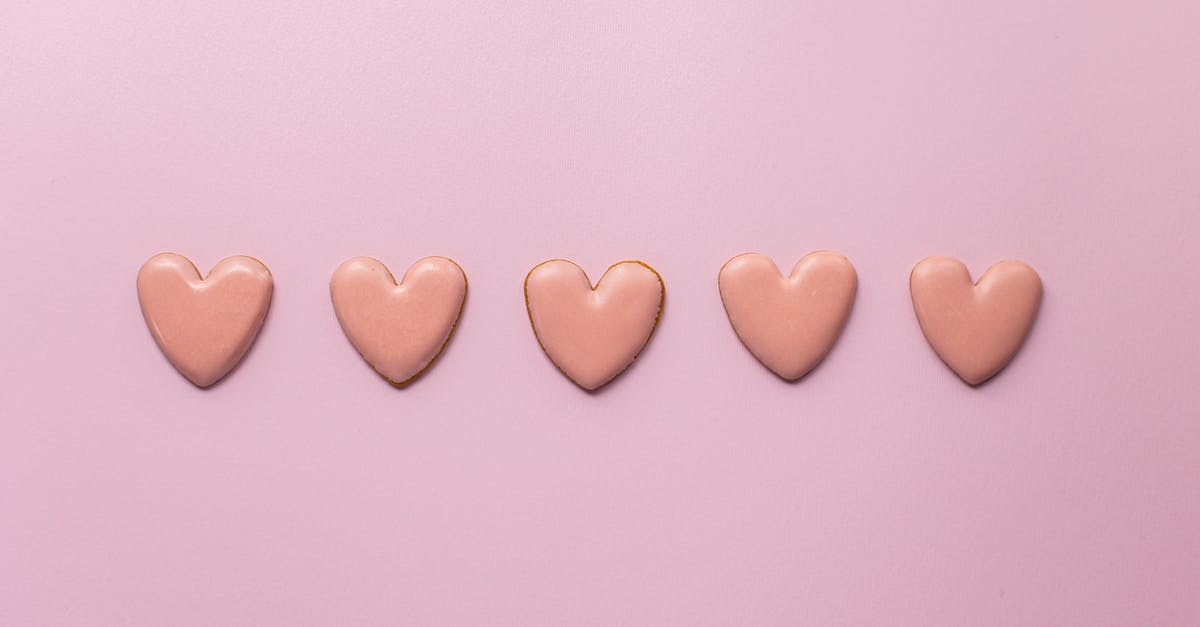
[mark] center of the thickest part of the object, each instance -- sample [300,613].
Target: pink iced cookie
[788,323]
[593,334]
[204,325]
[975,328]
[399,329]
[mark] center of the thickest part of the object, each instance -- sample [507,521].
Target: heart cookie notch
[788,323]
[204,325]
[592,334]
[975,328]
[399,329]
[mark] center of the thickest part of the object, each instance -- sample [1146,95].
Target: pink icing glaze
[399,329]
[204,325]
[975,328]
[593,334]
[790,323]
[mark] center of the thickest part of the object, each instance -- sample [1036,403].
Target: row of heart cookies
[204,325]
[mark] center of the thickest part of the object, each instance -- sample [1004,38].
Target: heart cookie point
[400,329]
[204,325]
[592,334]
[975,328]
[788,323]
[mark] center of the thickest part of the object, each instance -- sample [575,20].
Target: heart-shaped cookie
[204,325]
[399,329]
[788,323]
[976,328]
[592,334]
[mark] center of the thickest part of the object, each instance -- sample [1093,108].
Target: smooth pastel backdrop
[698,489]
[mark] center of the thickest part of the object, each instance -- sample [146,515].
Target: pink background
[698,488]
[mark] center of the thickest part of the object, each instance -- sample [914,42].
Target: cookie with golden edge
[400,329]
[593,333]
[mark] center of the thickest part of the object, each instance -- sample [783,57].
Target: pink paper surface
[698,488]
